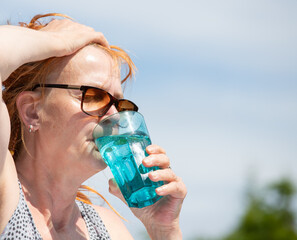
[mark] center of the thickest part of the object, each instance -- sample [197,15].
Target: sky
[217,85]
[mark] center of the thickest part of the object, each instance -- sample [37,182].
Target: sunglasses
[95,101]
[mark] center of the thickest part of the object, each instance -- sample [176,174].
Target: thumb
[115,190]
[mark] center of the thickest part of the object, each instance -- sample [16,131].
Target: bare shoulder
[9,190]
[113,223]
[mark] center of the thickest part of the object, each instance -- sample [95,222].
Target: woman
[49,151]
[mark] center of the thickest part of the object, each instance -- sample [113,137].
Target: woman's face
[65,131]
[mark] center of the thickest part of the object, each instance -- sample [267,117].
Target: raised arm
[20,45]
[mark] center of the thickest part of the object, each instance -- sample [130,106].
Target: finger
[102,40]
[166,175]
[176,189]
[155,149]
[159,160]
[81,33]
[61,24]
[96,37]
[86,37]
[115,190]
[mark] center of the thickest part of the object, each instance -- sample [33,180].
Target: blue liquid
[124,155]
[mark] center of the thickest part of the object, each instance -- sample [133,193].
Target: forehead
[90,66]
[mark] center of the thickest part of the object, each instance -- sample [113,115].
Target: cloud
[256,34]
[217,86]
[219,22]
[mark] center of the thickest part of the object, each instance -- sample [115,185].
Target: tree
[269,214]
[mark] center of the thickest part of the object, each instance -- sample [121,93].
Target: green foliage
[269,214]
[202,238]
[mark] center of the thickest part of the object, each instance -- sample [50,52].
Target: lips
[92,143]
[95,146]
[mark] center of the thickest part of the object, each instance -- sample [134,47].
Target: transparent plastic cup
[121,139]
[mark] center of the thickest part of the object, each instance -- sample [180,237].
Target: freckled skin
[65,131]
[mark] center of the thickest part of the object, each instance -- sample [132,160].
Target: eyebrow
[120,96]
[70,86]
[64,86]
[92,84]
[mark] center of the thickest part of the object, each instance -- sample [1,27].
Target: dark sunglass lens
[95,101]
[126,105]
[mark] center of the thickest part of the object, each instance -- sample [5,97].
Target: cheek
[58,116]
[65,125]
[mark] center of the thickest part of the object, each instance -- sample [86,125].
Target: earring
[30,128]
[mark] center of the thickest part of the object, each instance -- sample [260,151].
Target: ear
[27,103]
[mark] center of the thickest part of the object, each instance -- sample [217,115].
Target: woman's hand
[20,45]
[72,36]
[162,218]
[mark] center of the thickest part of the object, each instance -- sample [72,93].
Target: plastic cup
[121,139]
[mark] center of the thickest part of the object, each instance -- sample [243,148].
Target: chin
[99,163]
[101,166]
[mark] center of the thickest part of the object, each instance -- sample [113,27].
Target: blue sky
[217,84]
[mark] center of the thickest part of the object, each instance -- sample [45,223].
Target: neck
[51,193]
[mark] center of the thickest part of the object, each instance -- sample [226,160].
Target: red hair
[29,74]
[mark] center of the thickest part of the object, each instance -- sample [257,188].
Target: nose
[110,119]
[111,110]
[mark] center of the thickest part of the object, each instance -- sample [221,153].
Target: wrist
[168,233]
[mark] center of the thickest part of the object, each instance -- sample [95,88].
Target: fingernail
[147,161]
[154,176]
[161,189]
[149,148]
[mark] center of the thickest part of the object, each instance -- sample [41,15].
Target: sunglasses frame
[83,89]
